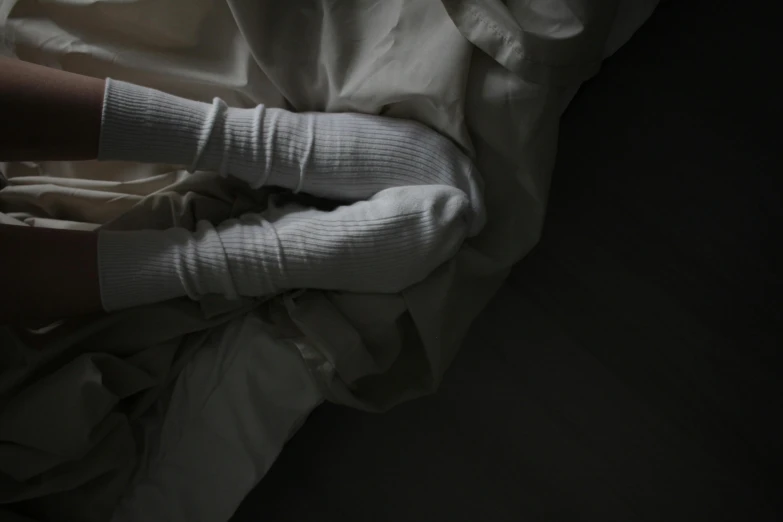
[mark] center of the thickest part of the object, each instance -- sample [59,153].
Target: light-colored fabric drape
[493,77]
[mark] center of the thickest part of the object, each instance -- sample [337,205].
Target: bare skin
[69,104]
[47,273]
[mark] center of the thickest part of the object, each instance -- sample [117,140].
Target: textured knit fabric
[422,199]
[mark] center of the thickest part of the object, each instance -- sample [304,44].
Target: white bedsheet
[233,408]
[229,414]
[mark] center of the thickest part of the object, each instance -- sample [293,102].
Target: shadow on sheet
[629,369]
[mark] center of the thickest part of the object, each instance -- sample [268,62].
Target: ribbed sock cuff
[149,266]
[149,126]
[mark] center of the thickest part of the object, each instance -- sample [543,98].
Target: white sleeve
[382,245]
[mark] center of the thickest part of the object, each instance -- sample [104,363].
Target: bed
[629,367]
[514,431]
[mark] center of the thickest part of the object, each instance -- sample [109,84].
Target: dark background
[629,369]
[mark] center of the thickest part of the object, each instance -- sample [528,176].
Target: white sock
[344,156]
[383,245]
[423,200]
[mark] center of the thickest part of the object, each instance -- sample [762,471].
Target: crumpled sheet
[405,58]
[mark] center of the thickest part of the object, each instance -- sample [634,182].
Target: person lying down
[410,197]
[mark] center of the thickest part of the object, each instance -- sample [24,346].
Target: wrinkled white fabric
[246,385]
[492,77]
